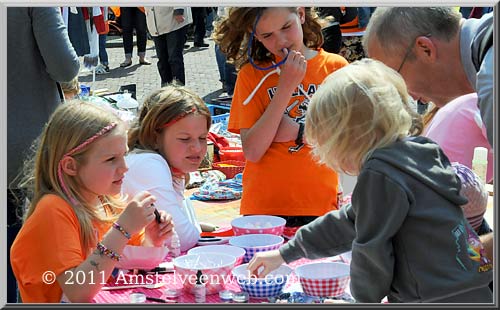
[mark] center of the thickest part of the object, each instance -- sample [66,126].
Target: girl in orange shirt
[281,63]
[76,227]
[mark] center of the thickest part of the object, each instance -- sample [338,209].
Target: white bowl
[271,285]
[346,257]
[324,279]
[235,251]
[142,257]
[215,268]
[254,243]
[258,224]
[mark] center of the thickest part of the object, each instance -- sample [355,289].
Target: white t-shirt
[149,171]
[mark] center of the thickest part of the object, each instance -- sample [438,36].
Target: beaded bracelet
[123,231]
[109,253]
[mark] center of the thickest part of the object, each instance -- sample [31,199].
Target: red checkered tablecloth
[172,282]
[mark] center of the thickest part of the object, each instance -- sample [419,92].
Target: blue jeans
[169,50]
[209,20]
[103,55]
[227,71]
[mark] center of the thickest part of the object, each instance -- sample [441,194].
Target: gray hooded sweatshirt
[408,235]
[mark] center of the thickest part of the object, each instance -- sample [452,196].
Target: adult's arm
[51,35]
[484,88]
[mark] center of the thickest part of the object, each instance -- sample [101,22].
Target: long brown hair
[232,33]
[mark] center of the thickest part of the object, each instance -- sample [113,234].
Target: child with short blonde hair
[408,235]
[76,222]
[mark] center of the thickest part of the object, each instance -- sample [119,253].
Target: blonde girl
[408,235]
[278,54]
[168,141]
[76,224]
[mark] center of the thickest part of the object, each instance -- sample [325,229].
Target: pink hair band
[76,149]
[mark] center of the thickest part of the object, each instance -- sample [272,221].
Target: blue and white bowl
[253,243]
[269,286]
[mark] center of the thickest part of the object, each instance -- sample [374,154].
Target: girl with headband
[77,223]
[278,54]
[169,140]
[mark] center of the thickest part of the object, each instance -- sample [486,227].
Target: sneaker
[101,69]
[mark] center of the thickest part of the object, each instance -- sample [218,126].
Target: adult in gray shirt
[434,49]
[39,53]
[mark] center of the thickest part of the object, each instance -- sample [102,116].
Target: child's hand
[293,70]
[138,213]
[156,233]
[264,262]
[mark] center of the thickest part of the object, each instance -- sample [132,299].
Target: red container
[230,167]
[231,153]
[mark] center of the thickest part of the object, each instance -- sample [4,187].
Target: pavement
[202,75]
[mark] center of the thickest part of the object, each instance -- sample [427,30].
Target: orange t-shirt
[49,241]
[283,183]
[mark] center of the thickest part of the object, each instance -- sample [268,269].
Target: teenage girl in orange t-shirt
[280,68]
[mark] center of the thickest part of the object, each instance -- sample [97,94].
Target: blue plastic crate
[220,114]
[221,118]
[218,109]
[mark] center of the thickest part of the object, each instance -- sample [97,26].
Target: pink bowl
[325,279]
[142,257]
[215,267]
[258,224]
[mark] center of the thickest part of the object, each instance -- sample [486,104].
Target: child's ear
[69,165]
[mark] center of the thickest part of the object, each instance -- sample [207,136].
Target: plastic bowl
[325,279]
[141,257]
[269,286]
[254,243]
[215,268]
[346,257]
[258,224]
[235,251]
